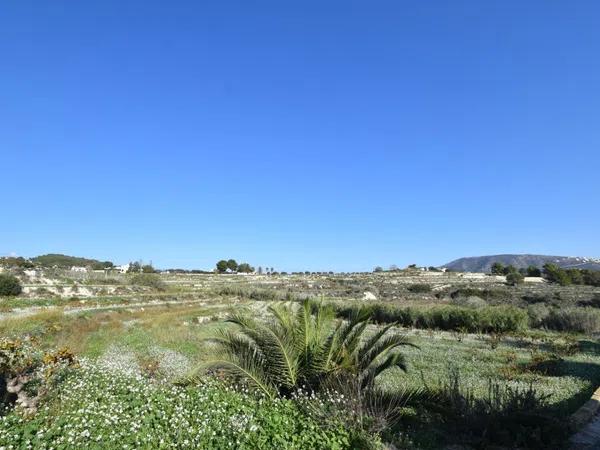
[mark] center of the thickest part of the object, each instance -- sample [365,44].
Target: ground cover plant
[98,407]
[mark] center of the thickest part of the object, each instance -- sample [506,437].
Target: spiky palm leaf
[305,346]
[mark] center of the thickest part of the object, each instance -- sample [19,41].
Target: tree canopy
[66,261]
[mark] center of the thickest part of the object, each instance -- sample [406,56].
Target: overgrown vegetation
[9,285]
[507,416]
[565,277]
[520,367]
[419,288]
[490,319]
[149,280]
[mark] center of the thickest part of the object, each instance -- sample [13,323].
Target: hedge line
[490,319]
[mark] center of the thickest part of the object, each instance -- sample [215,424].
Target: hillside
[484,263]
[66,261]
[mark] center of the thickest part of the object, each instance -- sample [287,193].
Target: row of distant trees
[54,260]
[231,265]
[552,272]
[501,269]
[140,267]
[395,268]
[564,277]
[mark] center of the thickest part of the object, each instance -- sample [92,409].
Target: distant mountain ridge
[484,263]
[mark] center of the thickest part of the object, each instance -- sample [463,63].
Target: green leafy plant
[305,346]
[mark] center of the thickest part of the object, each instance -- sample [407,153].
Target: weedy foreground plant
[305,347]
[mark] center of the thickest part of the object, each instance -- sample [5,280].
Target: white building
[123,269]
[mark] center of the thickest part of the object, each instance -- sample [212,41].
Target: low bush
[489,295]
[419,288]
[9,285]
[27,373]
[538,298]
[149,280]
[514,278]
[544,363]
[257,294]
[594,302]
[469,302]
[537,312]
[577,320]
[98,281]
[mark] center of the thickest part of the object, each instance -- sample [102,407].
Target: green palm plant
[305,346]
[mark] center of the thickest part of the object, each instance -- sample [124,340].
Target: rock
[16,386]
[369,296]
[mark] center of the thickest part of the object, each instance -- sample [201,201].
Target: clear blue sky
[324,135]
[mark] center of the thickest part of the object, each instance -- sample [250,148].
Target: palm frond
[241,356]
[368,376]
[249,372]
[279,351]
[376,348]
[283,316]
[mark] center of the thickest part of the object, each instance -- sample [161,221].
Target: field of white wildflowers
[98,407]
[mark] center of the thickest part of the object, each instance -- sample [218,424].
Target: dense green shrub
[486,319]
[255,294]
[489,295]
[533,271]
[147,268]
[9,285]
[594,302]
[496,319]
[514,278]
[148,279]
[537,312]
[538,298]
[578,320]
[419,288]
[470,302]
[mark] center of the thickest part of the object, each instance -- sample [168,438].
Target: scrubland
[128,361]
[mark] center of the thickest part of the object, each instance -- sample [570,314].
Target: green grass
[569,386]
[93,332]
